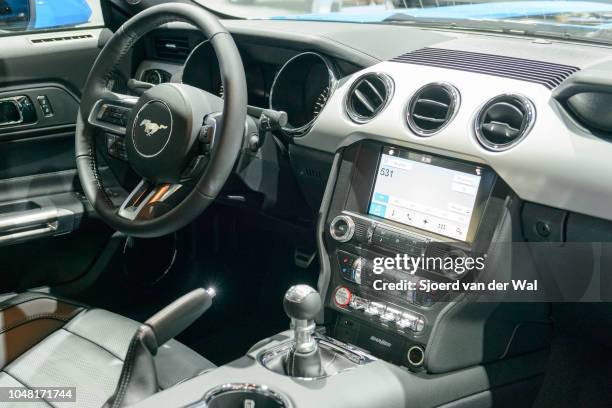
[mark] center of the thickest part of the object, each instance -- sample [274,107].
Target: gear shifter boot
[305,365]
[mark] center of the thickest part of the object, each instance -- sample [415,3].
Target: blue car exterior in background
[46,14]
[58,13]
[476,11]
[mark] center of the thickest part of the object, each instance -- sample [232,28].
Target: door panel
[43,107]
[67,62]
[48,233]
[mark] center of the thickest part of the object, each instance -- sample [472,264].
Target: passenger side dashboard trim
[554,165]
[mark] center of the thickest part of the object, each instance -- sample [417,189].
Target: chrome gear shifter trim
[302,303]
[303,331]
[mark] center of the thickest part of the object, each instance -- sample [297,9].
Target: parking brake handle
[138,378]
[180,314]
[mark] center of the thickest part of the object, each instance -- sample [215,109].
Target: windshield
[580,20]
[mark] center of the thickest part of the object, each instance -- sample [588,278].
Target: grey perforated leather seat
[50,342]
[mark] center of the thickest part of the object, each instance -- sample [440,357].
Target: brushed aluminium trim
[390,90]
[455,103]
[530,113]
[332,83]
[554,166]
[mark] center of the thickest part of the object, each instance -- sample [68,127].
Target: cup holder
[244,396]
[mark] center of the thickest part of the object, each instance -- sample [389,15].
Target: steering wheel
[177,137]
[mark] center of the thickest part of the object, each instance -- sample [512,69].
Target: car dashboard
[518,126]
[531,76]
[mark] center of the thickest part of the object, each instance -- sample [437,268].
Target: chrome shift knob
[302,302]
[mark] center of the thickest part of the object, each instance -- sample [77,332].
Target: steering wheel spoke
[183,163]
[147,200]
[111,112]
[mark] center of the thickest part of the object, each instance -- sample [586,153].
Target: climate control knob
[342,228]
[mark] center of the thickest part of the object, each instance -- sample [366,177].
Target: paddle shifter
[302,303]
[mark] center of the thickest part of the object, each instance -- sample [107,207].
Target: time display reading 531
[385,172]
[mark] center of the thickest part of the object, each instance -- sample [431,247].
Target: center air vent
[504,121]
[172,48]
[368,96]
[431,108]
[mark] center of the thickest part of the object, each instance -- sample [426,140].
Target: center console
[356,341]
[398,220]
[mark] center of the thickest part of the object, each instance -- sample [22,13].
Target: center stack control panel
[372,305]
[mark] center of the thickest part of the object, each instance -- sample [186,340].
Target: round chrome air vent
[432,108]
[504,121]
[368,96]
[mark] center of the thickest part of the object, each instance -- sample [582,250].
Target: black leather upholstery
[46,341]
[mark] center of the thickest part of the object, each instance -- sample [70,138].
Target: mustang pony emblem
[151,127]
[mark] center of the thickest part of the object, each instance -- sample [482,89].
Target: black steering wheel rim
[228,138]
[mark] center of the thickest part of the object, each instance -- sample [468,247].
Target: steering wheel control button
[342,228]
[342,297]
[116,146]
[152,128]
[115,115]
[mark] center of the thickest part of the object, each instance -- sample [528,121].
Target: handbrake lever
[138,378]
[180,314]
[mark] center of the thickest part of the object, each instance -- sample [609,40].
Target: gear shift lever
[302,303]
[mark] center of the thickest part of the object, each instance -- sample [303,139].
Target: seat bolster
[47,341]
[6,296]
[108,330]
[28,318]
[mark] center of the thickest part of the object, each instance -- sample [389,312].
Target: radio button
[398,242]
[351,266]
[359,303]
[375,309]
[342,297]
[411,322]
[342,228]
[383,236]
[391,315]
[357,267]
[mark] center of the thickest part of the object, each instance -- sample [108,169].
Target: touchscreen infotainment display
[426,192]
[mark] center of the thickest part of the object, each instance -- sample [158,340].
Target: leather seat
[46,341]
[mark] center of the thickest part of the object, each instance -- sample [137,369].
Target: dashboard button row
[386,314]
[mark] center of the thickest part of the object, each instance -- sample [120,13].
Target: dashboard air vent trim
[507,116]
[548,74]
[175,48]
[432,108]
[46,40]
[369,95]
